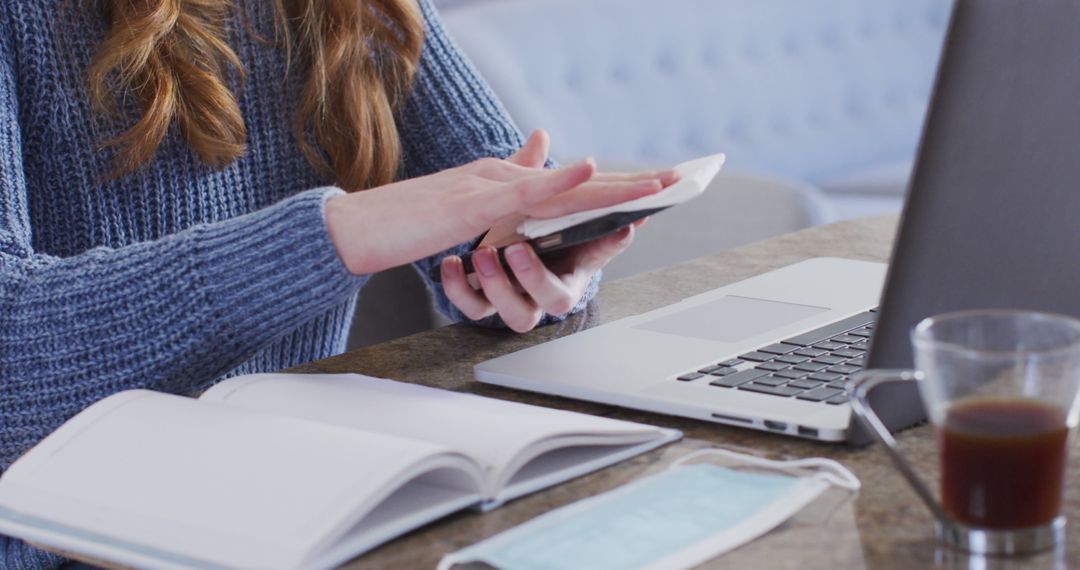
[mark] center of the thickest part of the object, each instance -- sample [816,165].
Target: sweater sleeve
[172,314]
[452,118]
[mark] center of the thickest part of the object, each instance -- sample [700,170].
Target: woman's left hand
[553,289]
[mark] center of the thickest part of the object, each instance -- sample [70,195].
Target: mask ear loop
[829,471]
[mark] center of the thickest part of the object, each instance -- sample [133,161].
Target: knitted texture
[177,275]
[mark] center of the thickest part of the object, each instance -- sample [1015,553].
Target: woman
[164,214]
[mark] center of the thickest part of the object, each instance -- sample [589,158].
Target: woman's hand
[541,289]
[399,223]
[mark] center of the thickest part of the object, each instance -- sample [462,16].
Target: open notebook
[290,471]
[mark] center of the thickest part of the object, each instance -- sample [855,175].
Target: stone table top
[885,526]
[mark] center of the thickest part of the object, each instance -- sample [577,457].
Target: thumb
[534,153]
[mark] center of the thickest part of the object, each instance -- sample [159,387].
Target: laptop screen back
[993,213]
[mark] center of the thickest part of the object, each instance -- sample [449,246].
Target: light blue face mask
[675,519]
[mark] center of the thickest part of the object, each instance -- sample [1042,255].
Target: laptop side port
[737,419]
[776,426]
[808,431]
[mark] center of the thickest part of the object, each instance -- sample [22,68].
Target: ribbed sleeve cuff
[272,270]
[17,555]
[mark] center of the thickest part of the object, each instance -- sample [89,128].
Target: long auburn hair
[173,58]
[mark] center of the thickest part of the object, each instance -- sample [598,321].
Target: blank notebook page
[493,431]
[234,483]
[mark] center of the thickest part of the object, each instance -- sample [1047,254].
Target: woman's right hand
[402,222]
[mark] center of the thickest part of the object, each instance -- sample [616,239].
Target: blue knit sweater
[178,275]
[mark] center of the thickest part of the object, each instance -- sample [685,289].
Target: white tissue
[694,177]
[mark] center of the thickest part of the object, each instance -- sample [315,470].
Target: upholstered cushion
[804,89]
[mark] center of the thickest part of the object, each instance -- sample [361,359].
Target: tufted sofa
[818,104]
[827,92]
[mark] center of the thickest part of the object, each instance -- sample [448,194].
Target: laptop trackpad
[730,319]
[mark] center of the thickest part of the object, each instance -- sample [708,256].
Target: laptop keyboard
[815,366]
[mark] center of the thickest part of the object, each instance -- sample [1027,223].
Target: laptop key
[864,333]
[778,348]
[829,360]
[710,369]
[844,369]
[847,339]
[772,366]
[805,384]
[811,352]
[723,371]
[756,356]
[836,400]
[810,367]
[820,394]
[791,359]
[690,376]
[783,391]
[828,345]
[860,362]
[863,346]
[825,376]
[791,374]
[732,362]
[847,353]
[772,381]
[739,378]
[842,326]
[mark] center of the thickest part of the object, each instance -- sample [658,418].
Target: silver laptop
[992,219]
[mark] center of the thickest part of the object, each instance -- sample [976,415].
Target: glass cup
[1000,388]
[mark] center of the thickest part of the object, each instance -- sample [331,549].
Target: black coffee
[1003,463]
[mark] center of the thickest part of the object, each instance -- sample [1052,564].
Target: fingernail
[484,261]
[518,258]
[451,266]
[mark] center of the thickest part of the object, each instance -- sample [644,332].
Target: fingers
[534,153]
[666,177]
[592,195]
[518,312]
[547,290]
[470,302]
[541,290]
[534,189]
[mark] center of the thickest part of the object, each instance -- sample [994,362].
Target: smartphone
[563,239]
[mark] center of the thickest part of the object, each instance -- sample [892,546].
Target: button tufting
[694,139]
[895,99]
[792,45]
[620,74]
[737,130]
[710,56]
[830,38]
[869,30]
[666,63]
[572,79]
[752,52]
[780,126]
[902,24]
[856,109]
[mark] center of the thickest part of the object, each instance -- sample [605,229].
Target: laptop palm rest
[730,318]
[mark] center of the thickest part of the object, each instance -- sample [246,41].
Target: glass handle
[866,381]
